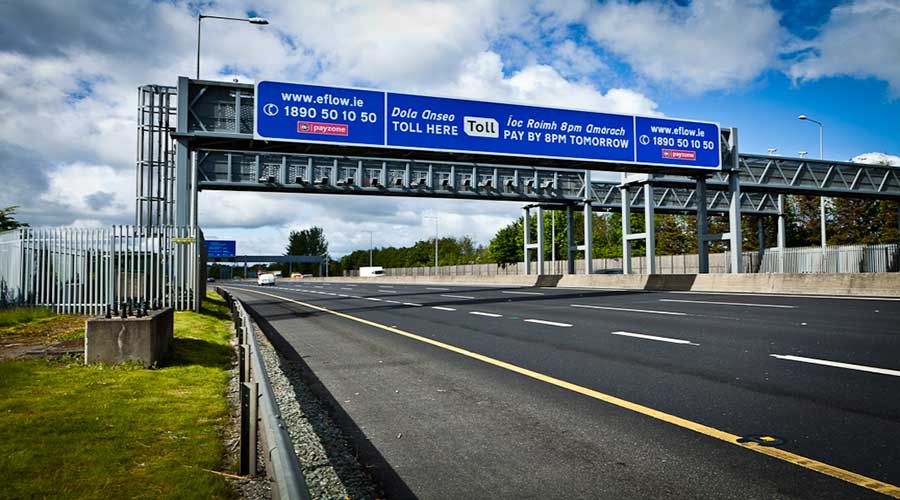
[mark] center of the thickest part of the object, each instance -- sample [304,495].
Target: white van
[371,272]
[265,279]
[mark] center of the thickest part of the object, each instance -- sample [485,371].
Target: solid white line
[551,323]
[837,364]
[779,306]
[373,298]
[522,293]
[671,313]
[439,308]
[792,295]
[392,301]
[387,291]
[385,286]
[341,295]
[412,304]
[489,315]
[653,337]
[347,289]
[458,296]
[430,288]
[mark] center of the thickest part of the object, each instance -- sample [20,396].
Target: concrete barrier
[850,284]
[486,280]
[114,340]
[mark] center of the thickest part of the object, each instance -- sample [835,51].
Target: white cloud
[83,191]
[706,45]
[860,39]
[482,77]
[877,159]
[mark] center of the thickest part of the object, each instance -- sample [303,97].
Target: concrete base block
[145,340]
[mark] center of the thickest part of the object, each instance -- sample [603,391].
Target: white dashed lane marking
[654,337]
[648,311]
[548,323]
[489,315]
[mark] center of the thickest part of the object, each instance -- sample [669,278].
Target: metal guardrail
[282,462]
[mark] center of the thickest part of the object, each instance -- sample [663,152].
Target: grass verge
[70,431]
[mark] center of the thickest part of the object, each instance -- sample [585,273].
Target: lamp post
[251,20]
[435,240]
[821,157]
[370,246]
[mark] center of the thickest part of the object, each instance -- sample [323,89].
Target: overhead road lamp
[821,157]
[370,245]
[435,217]
[201,17]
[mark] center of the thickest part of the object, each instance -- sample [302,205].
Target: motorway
[492,392]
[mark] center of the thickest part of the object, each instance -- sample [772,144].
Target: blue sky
[69,70]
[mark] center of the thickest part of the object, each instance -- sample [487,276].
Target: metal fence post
[249,421]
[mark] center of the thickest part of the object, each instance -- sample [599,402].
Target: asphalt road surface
[490,392]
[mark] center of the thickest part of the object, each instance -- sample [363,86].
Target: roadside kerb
[282,463]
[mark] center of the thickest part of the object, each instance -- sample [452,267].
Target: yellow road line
[808,463]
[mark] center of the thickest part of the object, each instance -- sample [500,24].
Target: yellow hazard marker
[768,439]
[807,463]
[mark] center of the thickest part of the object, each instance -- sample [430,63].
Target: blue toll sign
[316,114]
[221,248]
[311,113]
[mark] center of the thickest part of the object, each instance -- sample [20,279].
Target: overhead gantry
[199,135]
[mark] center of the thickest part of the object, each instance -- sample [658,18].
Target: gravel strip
[326,457]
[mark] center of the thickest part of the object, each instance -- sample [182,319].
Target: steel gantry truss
[214,149]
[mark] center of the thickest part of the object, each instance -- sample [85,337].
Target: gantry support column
[588,238]
[526,227]
[540,240]
[782,233]
[649,233]
[626,229]
[570,240]
[735,241]
[734,209]
[182,192]
[650,228]
[702,221]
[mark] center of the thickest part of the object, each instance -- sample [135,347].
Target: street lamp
[802,153]
[370,246]
[772,151]
[821,157]
[435,239]
[251,20]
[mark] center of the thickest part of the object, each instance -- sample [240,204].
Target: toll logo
[475,126]
[323,128]
[675,154]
